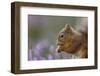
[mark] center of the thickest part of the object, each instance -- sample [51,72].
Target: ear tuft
[68,27]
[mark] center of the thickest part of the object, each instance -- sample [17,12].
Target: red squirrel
[73,41]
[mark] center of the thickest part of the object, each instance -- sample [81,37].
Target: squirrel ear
[68,27]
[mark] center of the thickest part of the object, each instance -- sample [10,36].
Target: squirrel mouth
[58,49]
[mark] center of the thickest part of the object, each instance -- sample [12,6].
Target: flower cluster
[43,50]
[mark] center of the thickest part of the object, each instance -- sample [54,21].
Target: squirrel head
[64,37]
[65,33]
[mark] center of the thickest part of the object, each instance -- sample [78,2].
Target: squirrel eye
[62,35]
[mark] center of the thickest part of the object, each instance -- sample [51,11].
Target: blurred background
[42,35]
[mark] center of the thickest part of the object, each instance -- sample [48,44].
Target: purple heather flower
[50,57]
[35,58]
[39,48]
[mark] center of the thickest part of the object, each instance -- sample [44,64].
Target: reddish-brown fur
[72,41]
